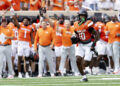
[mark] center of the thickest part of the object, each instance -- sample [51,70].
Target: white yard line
[57,80]
[66,84]
[110,78]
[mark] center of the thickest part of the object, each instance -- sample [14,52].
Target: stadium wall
[67,13]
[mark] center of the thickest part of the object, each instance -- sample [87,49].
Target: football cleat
[84,80]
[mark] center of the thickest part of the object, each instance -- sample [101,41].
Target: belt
[45,45]
[4,44]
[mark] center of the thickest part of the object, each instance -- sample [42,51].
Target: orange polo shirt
[66,36]
[44,37]
[7,32]
[113,28]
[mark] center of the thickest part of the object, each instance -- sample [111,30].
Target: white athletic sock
[84,76]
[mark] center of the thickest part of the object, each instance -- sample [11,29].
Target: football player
[84,31]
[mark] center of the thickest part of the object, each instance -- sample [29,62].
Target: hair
[25,17]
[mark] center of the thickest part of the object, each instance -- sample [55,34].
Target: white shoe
[117,72]
[10,77]
[52,75]
[87,70]
[95,70]
[27,75]
[39,76]
[19,75]
[76,74]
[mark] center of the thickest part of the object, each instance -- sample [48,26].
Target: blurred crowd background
[61,5]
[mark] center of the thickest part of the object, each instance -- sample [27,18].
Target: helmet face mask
[82,14]
[81,18]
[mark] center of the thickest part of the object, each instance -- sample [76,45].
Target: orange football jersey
[24,33]
[57,36]
[66,36]
[100,27]
[82,30]
[14,29]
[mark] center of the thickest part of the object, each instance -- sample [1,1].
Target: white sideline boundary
[66,84]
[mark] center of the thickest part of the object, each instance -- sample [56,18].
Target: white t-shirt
[107,4]
[91,1]
[117,5]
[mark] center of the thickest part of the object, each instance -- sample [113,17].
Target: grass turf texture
[99,80]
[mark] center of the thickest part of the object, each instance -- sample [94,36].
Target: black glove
[41,11]
[75,40]
[93,48]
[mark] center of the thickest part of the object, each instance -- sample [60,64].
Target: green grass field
[99,80]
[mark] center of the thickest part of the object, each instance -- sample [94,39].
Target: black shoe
[84,80]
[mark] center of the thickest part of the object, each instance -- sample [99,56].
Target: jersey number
[16,34]
[82,36]
[25,32]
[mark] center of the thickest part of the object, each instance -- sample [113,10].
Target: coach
[44,37]
[5,47]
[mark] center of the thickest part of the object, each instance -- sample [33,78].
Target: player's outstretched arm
[16,23]
[49,20]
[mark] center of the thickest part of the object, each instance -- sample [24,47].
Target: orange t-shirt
[36,6]
[17,4]
[14,29]
[100,27]
[66,36]
[25,1]
[4,4]
[7,32]
[43,37]
[82,30]
[72,6]
[58,2]
[113,28]
[57,36]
